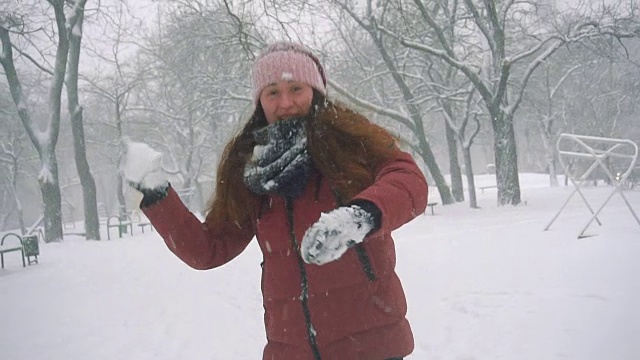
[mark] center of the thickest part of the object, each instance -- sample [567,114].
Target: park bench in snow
[26,245]
[482,188]
[120,222]
[141,220]
[431,206]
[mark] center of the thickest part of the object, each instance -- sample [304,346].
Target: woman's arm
[194,242]
[400,192]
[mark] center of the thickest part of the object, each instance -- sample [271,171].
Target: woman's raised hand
[141,166]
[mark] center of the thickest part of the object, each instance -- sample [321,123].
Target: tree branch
[30,58]
[481,25]
[465,68]
[401,118]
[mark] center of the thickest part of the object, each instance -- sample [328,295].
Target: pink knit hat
[287,61]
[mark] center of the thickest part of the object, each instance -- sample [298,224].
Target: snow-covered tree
[197,90]
[499,38]
[21,23]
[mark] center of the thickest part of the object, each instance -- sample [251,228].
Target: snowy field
[481,284]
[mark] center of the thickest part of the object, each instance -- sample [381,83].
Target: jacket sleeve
[400,192]
[193,241]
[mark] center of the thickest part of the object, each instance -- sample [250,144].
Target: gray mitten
[334,233]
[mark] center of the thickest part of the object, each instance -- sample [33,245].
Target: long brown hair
[345,146]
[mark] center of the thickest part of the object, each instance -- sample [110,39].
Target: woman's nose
[286,100]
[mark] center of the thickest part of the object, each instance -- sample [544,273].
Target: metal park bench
[431,206]
[120,222]
[141,221]
[482,188]
[26,245]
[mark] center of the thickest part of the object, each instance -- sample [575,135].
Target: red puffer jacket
[352,308]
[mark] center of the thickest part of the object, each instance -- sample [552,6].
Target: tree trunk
[14,191]
[89,194]
[122,206]
[551,164]
[199,197]
[91,220]
[52,201]
[20,213]
[454,167]
[414,113]
[550,149]
[471,184]
[188,194]
[434,169]
[45,143]
[506,158]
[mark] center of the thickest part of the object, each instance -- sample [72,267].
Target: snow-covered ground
[481,284]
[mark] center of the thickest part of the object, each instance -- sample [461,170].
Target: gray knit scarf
[280,163]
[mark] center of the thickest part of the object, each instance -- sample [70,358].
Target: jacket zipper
[363,256]
[304,296]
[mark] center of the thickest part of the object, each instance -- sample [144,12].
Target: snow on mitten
[334,233]
[142,168]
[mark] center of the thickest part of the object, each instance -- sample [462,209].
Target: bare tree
[197,91]
[457,115]
[44,141]
[10,154]
[116,81]
[548,111]
[91,220]
[394,76]
[502,45]
[589,88]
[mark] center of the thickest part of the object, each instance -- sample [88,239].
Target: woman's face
[286,99]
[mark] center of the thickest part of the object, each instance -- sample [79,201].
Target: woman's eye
[296,88]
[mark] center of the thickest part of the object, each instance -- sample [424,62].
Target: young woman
[320,188]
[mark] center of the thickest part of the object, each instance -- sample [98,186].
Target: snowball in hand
[142,165]
[334,233]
